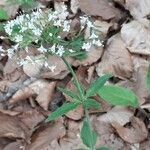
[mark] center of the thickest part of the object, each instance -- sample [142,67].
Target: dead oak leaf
[12,127]
[116,60]
[42,88]
[102,8]
[43,137]
[31,118]
[118,114]
[136,35]
[137,133]
[138,8]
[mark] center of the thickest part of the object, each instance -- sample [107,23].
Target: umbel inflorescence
[45,30]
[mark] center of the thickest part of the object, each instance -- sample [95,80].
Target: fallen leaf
[76,114]
[116,60]
[34,69]
[93,55]
[140,87]
[11,127]
[14,146]
[102,8]
[107,137]
[60,70]
[31,118]
[138,8]
[136,35]
[103,26]
[74,6]
[45,95]
[118,114]
[137,133]
[42,88]
[43,137]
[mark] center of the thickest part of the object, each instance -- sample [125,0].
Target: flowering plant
[46,31]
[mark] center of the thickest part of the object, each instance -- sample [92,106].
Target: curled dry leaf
[102,8]
[136,35]
[31,118]
[12,127]
[107,136]
[137,133]
[93,55]
[116,60]
[117,114]
[43,137]
[43,89]
[138,8]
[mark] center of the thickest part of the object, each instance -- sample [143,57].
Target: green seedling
[113,94]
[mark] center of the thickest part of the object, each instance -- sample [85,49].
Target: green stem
[74,77]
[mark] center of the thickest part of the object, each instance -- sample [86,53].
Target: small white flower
[42,49]
[1,49]
[10,52]
[18,38]
[57,23]
[22,62]
[97,42]
[50,34]
[53,48]
[37,32]
[86,46]
[90,24]
[71,51]
[60,50]
[66,26]
[93,36]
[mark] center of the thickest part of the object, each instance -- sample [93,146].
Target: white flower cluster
[29,28]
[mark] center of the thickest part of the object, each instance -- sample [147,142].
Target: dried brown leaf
[41,140]
[137,133]
[14,146]
[118,114]
[74,6]
[42,88]
[45,95]
[102,8]
[136,35]
[116,60]
[11,127]
[60,70]
[93,55]
[138,8]
[31,118]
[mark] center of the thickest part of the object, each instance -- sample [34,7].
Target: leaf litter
[28,93]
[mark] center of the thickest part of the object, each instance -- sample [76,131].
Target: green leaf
[69,93]
[3,14]
[91,103]
[88,137]
[97,84]
[65,108]
[118,96]
[148,78]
